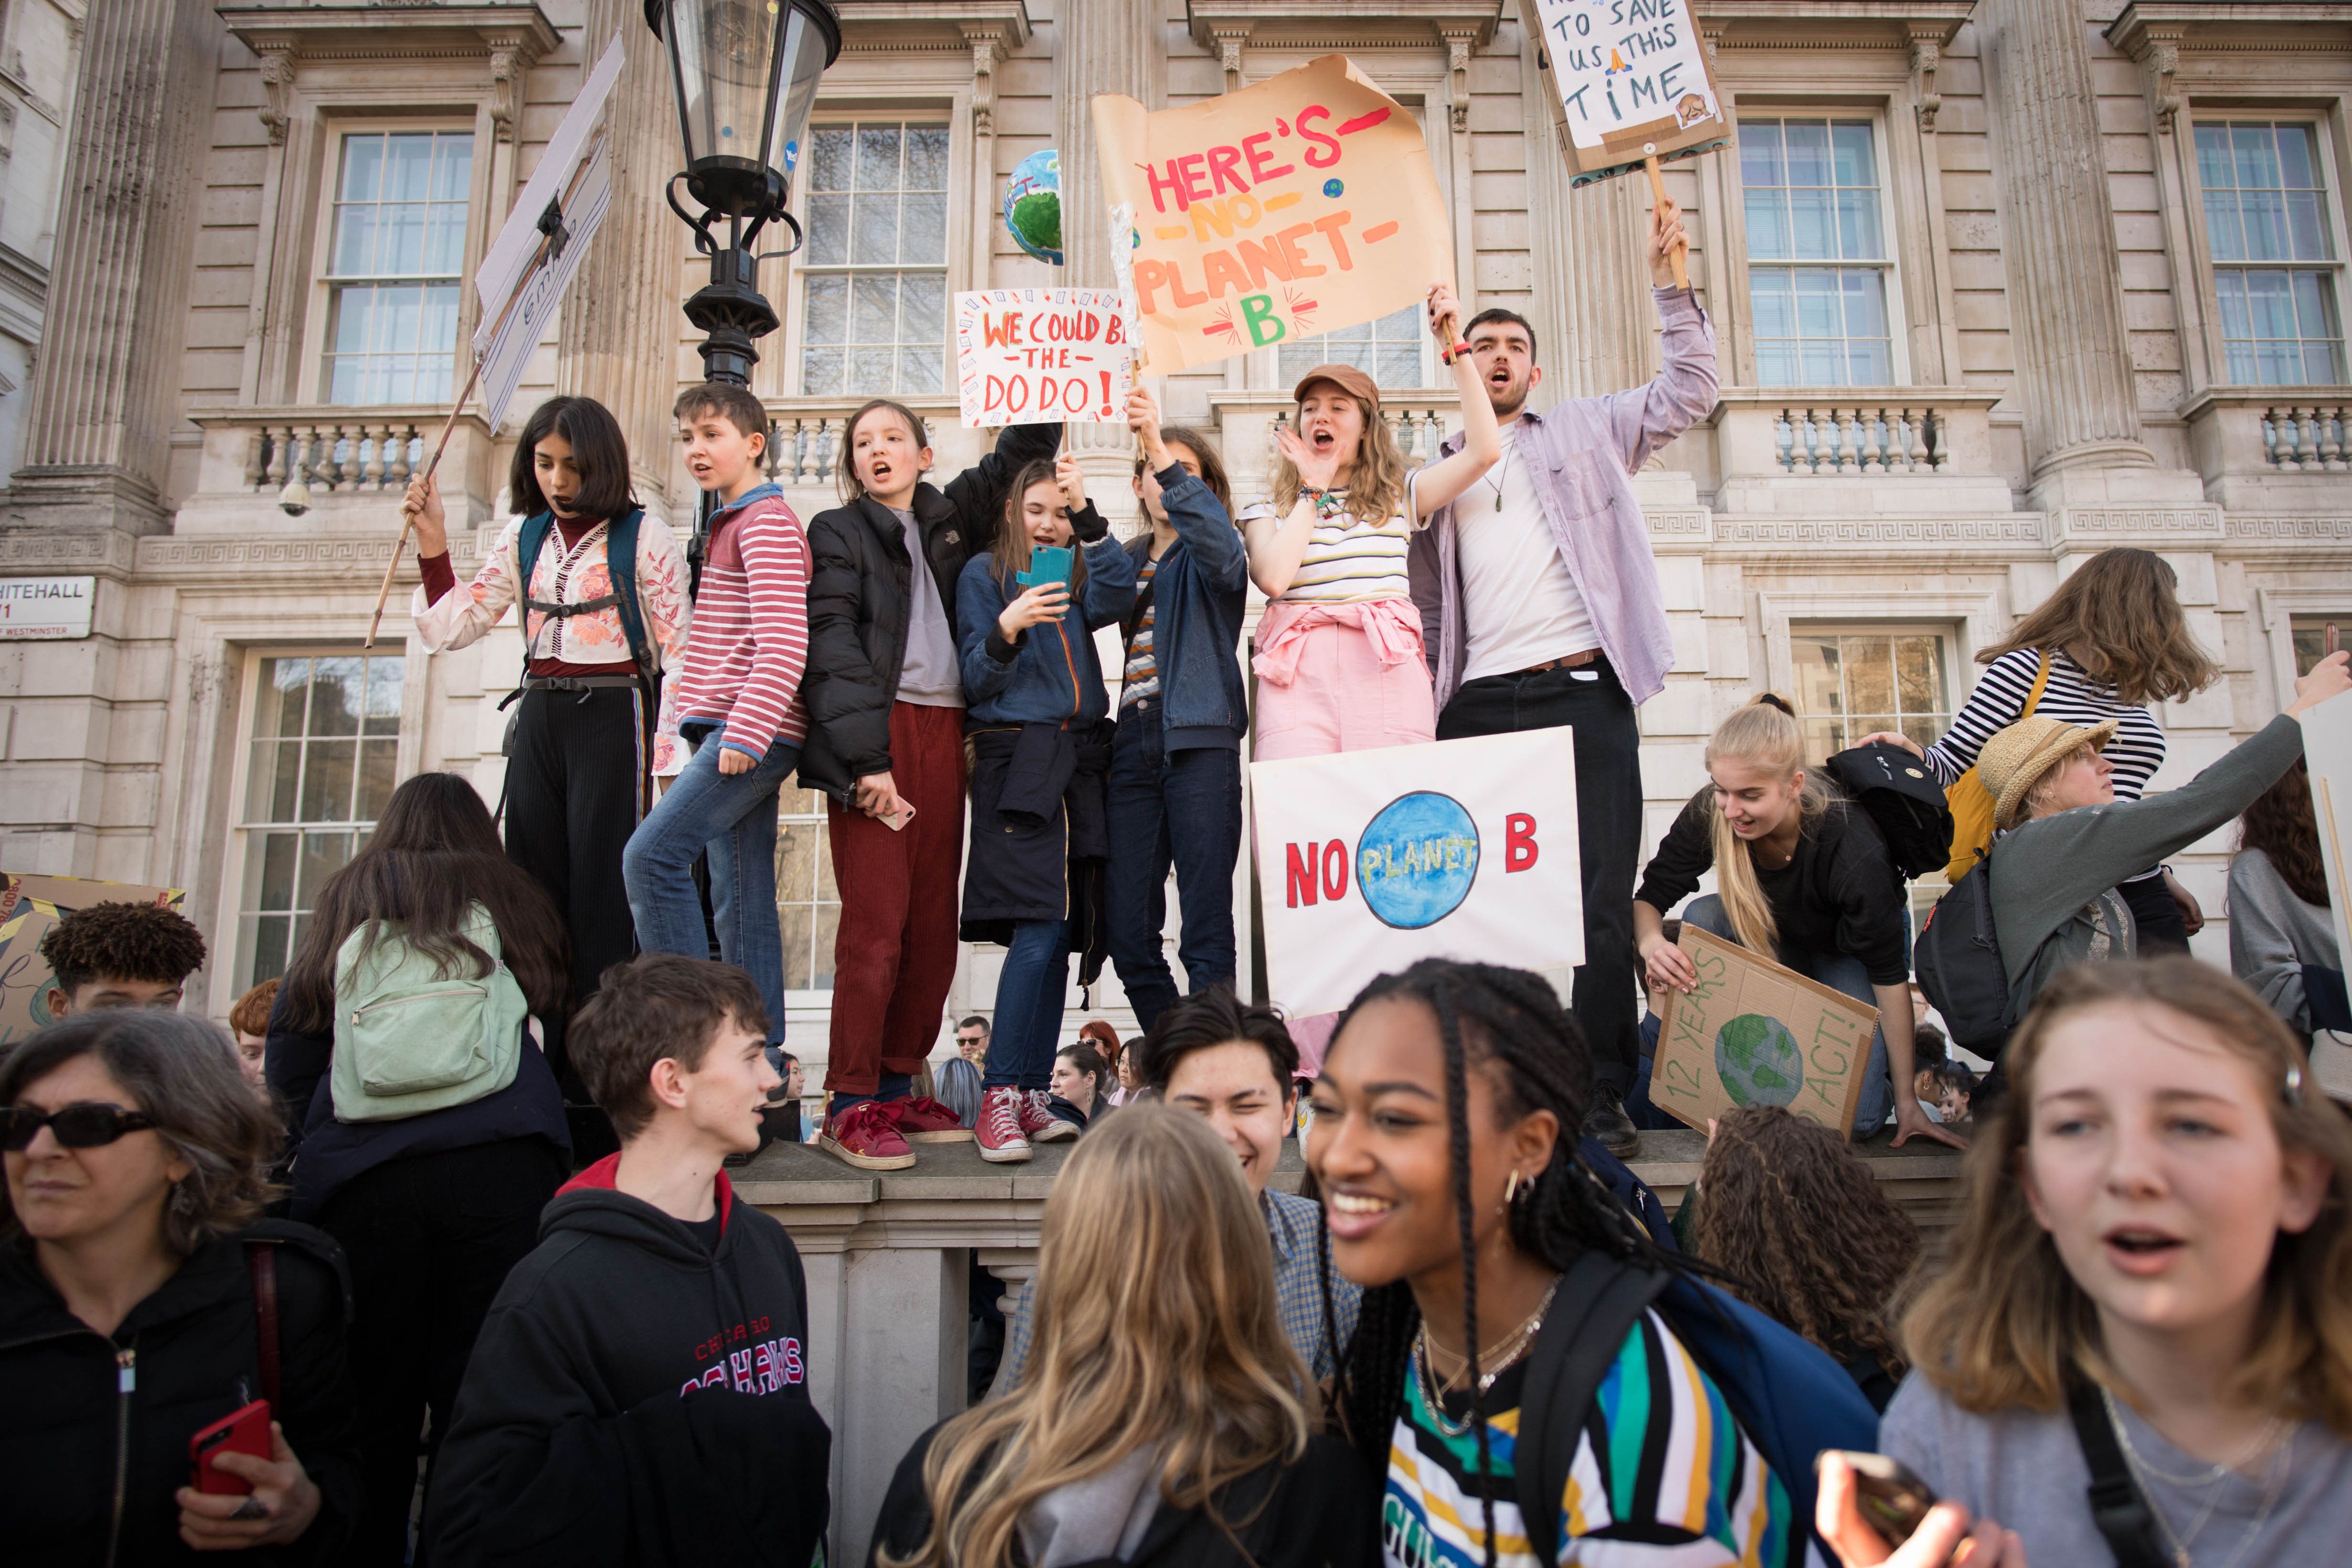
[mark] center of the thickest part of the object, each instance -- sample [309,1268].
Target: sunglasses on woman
[85,1125]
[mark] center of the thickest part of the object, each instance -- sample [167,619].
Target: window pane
[822,370]
[1813,224]
[2223,231]
[1809,152]
[2254,149]
[1815,660]
[2306,228]
[1854,158]
[1857,219]
[877,157]
[2265,201]
[273,781]
[1760,163]
[828,309]
[1811,194]
[2214,168]
[1767,224]
[828,231]
[829,159]
[1388,350]
[872,371]
[927,158]
[892,322]
[874,229]
[2265,213]
[922,305]
[923,228]
[874,309]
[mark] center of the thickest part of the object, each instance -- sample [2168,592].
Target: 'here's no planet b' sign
[33,608]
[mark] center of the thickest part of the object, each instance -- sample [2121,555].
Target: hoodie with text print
[637,1398]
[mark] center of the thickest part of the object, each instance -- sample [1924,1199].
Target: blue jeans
[1181,809]
[732,818]
[1840,973]
[1029,996]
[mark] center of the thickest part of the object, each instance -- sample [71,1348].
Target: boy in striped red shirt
[737,705]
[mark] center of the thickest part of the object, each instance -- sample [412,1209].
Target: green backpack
[410,1039]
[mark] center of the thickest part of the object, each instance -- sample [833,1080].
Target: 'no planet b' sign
[1369,860]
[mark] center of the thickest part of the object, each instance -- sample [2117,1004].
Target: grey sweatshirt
[2053,879]
[2273,933]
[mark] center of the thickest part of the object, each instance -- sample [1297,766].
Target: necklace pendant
[1499,501]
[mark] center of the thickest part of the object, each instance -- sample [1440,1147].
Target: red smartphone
[245,1431]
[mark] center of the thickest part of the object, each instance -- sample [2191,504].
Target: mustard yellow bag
[1972,803]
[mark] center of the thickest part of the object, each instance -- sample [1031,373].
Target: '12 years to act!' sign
[1038,356]
[1368,860]
[1752,1033]
[1299,205]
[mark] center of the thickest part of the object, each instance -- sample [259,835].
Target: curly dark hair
[1768,1179]
[124,941]
[1509,1024]
[2281,823]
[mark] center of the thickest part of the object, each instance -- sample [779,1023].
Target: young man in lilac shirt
[1540,605]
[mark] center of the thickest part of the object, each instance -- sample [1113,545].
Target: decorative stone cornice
[1228,35]
[104,551]
[277,86]
[1926,54]
[1459,40]
[933,27]
[508,35]
[2289,529]
[2166,524]
[1343,24]
[1831,24]
[1876,532]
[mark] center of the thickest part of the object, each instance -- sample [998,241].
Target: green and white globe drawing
[1759,1061]
[1032,206]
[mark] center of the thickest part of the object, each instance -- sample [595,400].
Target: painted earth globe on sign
[1759,1061]
[1032,206]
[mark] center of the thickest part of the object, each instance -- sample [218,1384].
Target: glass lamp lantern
[745,76]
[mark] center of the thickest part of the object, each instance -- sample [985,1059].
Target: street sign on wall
[39,608]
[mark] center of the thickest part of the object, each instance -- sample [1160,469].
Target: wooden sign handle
[1680,256]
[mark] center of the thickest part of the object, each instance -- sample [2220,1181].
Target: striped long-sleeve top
[749,642]
[1999,701]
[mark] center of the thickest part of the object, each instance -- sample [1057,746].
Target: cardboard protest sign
[1752,1033]
[29,906]
[1033,356]
[2328,752]
[1626,78]
[1368,860]
[1299,205]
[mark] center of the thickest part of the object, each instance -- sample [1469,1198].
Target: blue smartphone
[1047,563]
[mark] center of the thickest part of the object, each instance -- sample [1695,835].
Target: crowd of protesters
[435,1257]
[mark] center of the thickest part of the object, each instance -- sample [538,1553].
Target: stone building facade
[1998,283]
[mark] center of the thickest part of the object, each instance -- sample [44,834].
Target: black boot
[1606,1119]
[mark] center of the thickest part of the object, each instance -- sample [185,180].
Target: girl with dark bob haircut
[131,1252]
[433,1210]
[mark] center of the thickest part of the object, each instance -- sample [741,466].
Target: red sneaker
[999,1133]
[1040,1122]
[866,1136]
[922,1119]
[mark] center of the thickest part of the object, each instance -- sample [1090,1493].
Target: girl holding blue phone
[1036,723]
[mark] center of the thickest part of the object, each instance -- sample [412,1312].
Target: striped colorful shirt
[1348,561]
[1141,677]
[1663,1475]
[1998,701]
[749,642]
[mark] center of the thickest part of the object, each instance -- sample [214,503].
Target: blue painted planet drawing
[1032,206]
[1417,860]
[1759,1061]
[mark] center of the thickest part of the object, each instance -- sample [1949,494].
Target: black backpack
[1905,802]
[1957,961]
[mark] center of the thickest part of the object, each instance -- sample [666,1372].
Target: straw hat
[2014,760]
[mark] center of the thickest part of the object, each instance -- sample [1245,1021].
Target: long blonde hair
[2118,616]
[1156,1328]
[2003,1322]
[1375,482]
[1764,735]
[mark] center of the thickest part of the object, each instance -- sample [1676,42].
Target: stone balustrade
[890,1255]
[805,437]
[345,459]
[1861,438]
[2306,438]
[1928,450]
[2272,449]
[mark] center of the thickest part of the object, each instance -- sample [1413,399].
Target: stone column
[620,328]
[1596,327]
[104,392]
[2058,240]
[1102,46]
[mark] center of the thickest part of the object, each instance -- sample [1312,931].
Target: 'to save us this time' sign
[1368,860]
[42,608]
[1627,79]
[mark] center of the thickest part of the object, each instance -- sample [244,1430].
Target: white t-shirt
[1519,606]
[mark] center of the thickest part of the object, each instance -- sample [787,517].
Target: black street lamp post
[745,75]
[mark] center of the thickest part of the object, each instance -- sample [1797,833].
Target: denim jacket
[1049,674]
[1198,594]
[1584,454]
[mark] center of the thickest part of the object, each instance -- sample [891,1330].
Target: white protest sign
[1039,356]
[38,609]
[2328,751]
[510,254]
[1628,79]
[1369,860]
[503,356]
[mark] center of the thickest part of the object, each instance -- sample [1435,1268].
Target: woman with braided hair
[1756,1215]
[1451,1198]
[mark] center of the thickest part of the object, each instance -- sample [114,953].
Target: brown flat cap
[1346,377]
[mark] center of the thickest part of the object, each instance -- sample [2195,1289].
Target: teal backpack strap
[621,566]
[529,539]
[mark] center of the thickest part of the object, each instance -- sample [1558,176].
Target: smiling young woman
[2173,1242]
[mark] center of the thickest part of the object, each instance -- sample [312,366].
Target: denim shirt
[1050,674]
[1582,456]
[1198,595]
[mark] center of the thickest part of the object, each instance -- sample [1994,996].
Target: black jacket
[1322,1512]
[636,1398]
[73,1433]
[857,611]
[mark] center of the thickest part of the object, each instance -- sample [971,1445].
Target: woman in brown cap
[1339,658]
[2055,902]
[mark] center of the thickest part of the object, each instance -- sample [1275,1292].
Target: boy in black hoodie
[639,1394]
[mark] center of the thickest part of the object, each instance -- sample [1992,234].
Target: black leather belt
[1573,662]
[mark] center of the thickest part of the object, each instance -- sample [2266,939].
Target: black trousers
[2161,929]
[429,1239]
[1593,702]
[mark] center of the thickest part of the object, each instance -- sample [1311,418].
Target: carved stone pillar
[97,435]
[1596,328]
[2058,242]
[1102,47]
[620,326]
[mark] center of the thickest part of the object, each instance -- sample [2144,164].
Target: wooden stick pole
[1680,256]
[539,258]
